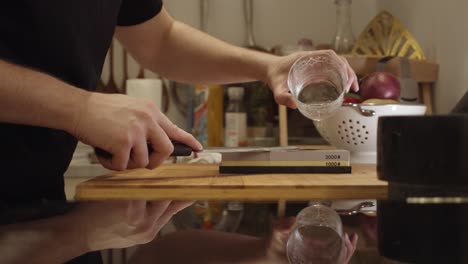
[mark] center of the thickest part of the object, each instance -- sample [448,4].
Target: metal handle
[359,109]
[358,209]
[204,14]
[248,14]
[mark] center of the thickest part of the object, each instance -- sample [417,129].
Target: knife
[180,149]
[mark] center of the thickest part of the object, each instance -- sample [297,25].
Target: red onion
[380,85]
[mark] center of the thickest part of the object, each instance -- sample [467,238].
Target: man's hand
[278,76]
[122,126]
[122,224]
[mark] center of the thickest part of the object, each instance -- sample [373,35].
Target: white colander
[350,129]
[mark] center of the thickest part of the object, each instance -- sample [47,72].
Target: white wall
[441,28]
[275,21]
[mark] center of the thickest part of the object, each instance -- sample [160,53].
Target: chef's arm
[180,52]
[34,98]
[48,241]
[207,247]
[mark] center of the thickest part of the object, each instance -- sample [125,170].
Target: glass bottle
[344,38]
[208,115]
[236,119]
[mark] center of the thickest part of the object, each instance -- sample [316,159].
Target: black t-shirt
[68,40]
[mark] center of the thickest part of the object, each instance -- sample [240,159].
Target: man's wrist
[262,63]
[69,236]
[76,109]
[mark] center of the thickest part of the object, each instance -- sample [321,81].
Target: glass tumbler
[317,237]
[318,84]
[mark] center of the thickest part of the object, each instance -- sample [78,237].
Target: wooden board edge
[251,194]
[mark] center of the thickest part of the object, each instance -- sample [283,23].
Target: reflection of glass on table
[317,237]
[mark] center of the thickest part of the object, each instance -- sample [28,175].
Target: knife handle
[180,149]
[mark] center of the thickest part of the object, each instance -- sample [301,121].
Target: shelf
[420,70]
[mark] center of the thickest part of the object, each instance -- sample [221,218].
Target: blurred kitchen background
[440,27]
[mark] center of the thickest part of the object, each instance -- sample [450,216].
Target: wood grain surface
[203,182]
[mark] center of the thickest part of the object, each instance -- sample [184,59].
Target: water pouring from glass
[318,83]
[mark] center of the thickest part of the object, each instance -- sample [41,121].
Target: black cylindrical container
[423,150]
[423,233]
[424,159]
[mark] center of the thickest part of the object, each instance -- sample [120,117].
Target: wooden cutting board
[203,182]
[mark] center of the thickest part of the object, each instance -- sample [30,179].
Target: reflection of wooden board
[203,182]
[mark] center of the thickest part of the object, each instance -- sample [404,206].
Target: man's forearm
[207,247]
[180,52]
[46,241]
[198,57]
[34,98]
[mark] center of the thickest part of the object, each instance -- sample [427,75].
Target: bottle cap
[235,92]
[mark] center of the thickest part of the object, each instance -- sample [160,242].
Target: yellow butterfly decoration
[385,35]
